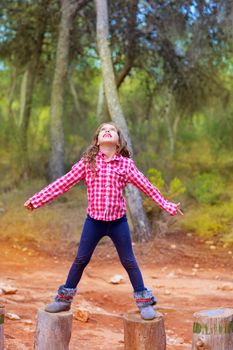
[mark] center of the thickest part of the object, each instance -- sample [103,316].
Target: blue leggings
[93,231]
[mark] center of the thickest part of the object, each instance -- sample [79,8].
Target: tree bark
[26,94]
[142,230]
[144,335]
[172,122]
[53,331]
[2,315]
[167,113]
[11,96]
[213,330]
[74,94]
[102,108]
[69,9]
[27,87]
[57,157]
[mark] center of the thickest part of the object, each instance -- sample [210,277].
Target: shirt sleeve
[139,180]
[59,186]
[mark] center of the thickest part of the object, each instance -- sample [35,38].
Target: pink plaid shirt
[105,189]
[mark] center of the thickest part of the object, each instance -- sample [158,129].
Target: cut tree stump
[53,330]
[144,335]
[213,329]
[2,316]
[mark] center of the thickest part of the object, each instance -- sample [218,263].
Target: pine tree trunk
[56,161]
[68,12]
[77,106]
[11,130]
[27,88]
[102,108]
[26,94]
[142,230]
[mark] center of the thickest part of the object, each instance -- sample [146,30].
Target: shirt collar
[115,157]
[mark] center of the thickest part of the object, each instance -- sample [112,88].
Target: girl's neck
[109,151]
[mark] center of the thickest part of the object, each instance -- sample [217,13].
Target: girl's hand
[28,205]
[178,209]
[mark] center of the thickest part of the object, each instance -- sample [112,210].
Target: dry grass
[55,226]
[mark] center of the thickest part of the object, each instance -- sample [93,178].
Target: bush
[171,192]
[211,220]
[206,188]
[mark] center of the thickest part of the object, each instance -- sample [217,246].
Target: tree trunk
[68,12]
[53,331]
[77,106]
[142,230]
[172,123]
[102,109]
[11,130]
[167,113]
[27,88]
[213,330]
[26,94]
[57,157]
[144,335]
[102,113]
[2,314]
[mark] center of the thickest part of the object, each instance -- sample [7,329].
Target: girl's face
[108,135]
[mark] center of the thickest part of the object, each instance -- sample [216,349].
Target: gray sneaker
[57,306]
[144,300]
[63,300]
[148,313]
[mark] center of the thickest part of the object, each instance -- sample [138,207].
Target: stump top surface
[221,312]
[56,314]
[136,317]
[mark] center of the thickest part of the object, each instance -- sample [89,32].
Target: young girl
[106,168]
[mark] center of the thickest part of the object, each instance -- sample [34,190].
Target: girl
[106,168]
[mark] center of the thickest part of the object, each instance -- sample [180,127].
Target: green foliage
[206,188]
[155,177]
[174,191]
[211,220]
[176,188]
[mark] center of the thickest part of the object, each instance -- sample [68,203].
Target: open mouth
[107,135]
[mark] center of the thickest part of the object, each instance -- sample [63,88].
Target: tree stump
[213,330]
[53,330]
[2,315]
[144,335]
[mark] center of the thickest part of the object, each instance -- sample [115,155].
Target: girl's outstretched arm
[59,186]
[139,180]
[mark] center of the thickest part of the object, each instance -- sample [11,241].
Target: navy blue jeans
[93,231]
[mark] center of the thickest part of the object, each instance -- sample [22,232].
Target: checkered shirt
[105,188]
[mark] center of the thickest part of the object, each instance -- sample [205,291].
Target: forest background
[173,71]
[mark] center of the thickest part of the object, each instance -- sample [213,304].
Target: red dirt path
[186,277]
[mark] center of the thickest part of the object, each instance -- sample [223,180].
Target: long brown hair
[92,150]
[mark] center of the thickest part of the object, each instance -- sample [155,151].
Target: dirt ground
[186,277]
